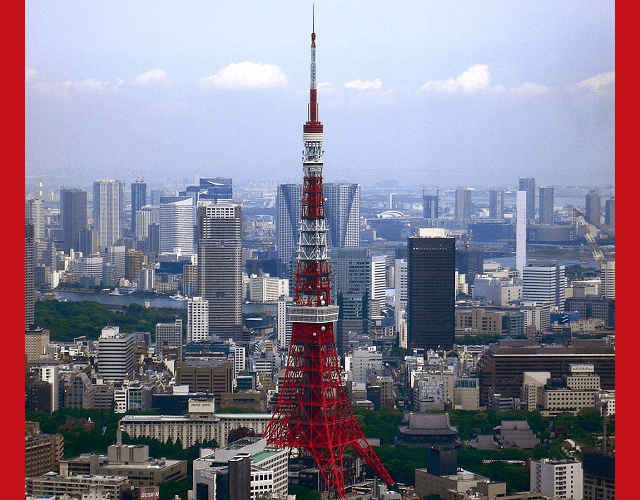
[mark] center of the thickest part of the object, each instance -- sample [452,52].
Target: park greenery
[68,320]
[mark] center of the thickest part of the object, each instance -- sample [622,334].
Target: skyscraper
[521,231]
[430,206]
[592,208]
[496,203]
[462,209]
[610,212]
[343,214]
[108,210]
[138,200]
[197,319]
[351,284]
[529,185]
[288,198]
[546,205]
[169,335]
[73,212]
[220,266]
[34,213]
[431,289]
[176,224]
[29,262]
[544,283]
[312,412]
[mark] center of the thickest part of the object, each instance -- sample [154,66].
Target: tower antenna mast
[313,412]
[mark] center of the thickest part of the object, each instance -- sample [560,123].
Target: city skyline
[454,95]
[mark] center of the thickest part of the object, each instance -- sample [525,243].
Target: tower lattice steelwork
[313,413]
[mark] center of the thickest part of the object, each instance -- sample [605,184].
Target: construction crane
[589,236]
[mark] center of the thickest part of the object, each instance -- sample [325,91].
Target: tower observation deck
[313,413]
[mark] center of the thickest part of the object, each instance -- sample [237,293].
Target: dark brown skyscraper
[431,289]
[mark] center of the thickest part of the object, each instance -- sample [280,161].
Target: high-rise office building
[546,206]
[220,266]
[115,354]
[343,214]
[462,210]
[138,200]
[351,270]
[34,213]
[610,212]
[73,212]
[521,231]
[176,224]
[29,262]
[108,210]
[288,198]
[197,319]
[377,278]
[430,206]
[146,216]
[431,289]
[529,185]
[169,336]
[496,203]
[544,283]
[592,208]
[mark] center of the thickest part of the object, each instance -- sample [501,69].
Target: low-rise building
[200,425]
[84,486]
[128,460]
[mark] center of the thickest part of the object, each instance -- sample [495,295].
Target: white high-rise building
[144,217]
[557,478]
[108,210]
[284,326]
[115,354]
[171,335]
[343,214]
[521,231]
[239,359]
[377,283]
[176,224]
[114,255]
[608,278]
[401,280]
[197,319]
[544,284]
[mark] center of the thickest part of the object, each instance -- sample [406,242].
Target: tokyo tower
[313,413]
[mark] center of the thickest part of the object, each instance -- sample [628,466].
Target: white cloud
[246,75]
[477,77]
[528,88]
[599,81]
[360,85]
[151,76]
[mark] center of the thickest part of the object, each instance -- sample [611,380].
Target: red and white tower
[313,413]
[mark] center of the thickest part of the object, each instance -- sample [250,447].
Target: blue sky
[463,93]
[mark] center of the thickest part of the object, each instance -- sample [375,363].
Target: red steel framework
[313,413]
